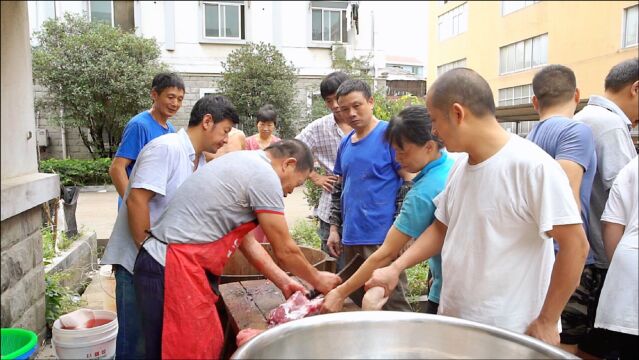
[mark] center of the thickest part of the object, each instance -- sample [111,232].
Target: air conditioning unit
[42,137]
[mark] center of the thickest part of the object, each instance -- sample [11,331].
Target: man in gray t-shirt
[610,117]
[204,223]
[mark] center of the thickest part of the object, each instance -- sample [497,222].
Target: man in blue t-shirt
[167,91]
[370,181]
[418,151]
[572,144]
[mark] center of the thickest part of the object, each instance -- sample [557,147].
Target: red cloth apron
[192,328]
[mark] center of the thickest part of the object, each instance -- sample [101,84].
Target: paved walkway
[97,211]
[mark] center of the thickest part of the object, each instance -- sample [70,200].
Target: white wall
[18,146]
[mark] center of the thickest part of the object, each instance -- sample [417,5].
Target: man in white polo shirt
[162,166]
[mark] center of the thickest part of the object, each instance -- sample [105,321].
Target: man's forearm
[567,270]
[262,261]
[139,219]
[428,244]
[120,180]
[336,204]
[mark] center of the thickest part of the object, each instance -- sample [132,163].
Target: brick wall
[22,299]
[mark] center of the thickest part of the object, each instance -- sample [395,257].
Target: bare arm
[290,255]
[429,243]
[566,273]
[117,171]
[611,233]
[575,173]
[139,219]
[383,256]
[260,258]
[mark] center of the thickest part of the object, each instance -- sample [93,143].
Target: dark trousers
[130,339]
[149,286]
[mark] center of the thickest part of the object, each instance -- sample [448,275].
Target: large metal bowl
[392,335]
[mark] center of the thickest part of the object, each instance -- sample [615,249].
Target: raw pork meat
[245,335]
[296,307]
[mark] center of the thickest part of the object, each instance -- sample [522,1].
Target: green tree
[97,77]
[385,108]
[257,74]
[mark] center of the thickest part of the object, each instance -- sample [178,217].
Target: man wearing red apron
[206,221]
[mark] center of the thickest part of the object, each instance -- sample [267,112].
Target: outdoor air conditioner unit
[42,137]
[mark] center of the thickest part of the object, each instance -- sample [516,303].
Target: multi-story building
[508,41]
[195,37]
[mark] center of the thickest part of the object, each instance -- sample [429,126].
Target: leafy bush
[417,281]
[259,74]
[312,192]
[305,233]
[97,77]
[74,172]
[48,243]
[59,299]
[385,108]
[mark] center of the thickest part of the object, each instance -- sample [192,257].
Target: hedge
[74,172]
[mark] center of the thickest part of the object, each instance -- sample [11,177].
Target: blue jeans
[130,340]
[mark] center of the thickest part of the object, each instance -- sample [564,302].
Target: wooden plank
[241,309]
[265,295]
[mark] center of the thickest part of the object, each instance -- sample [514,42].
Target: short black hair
[622,75]
[354,85]
[293,148]
[331,83]
[413,124]
[554,84]
[165,80]
[266,113]
[463,86]
[218,106]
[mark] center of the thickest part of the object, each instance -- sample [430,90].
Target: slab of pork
[296,307]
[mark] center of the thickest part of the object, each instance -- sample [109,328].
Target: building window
[524,54]
[114,13]
[451,65]
[413,69]
[329,21]
[223,19]
[508,7]
[453,22]
[515,95]
[631,23]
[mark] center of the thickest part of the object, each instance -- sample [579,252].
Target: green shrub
[74,172]
[59,299]
[312,192]
[48,243]
[417,281]
[385,108]
[305,233]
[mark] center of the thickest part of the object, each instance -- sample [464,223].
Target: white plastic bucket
[93,343]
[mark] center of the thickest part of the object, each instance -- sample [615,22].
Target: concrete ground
[97,211]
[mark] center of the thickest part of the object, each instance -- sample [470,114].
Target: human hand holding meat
[374,299]
[386,277]
[333,302]
[290,287]
[545,331]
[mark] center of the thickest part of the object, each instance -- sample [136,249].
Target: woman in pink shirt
[266,121]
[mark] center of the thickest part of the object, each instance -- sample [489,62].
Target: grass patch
[305,233]
[417,281]
[48,243]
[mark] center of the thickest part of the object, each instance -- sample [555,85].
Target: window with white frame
[223,19]
[453,22]
[451,65]
[115,13]
[515,95]
[631,23]
[524,54]
[508,7]
[329,23]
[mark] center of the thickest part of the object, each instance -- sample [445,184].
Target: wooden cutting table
[246,304]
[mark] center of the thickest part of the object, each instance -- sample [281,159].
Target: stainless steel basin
[392,335]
